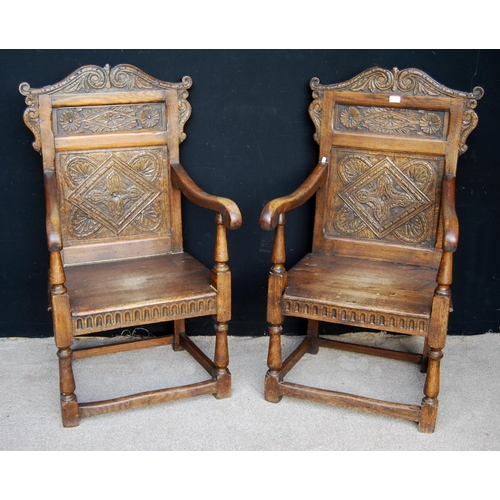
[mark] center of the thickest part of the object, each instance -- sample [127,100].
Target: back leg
[179,328]
[425,356]
[313,332]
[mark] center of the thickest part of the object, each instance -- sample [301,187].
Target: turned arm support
[54,238]
[274,210]
[231,216]
[450,219]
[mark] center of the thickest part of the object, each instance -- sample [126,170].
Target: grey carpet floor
[468,420]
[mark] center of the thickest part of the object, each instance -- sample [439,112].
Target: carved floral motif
[115,194]
[149,117]
[384,195]
[70,121]
[350,117]
[430,123]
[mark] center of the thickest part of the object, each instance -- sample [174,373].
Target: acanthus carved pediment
[409,81]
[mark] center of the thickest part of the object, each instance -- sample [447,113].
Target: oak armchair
[385,229]
[109,140]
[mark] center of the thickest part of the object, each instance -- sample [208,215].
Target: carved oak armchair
[385,228]
[109,140]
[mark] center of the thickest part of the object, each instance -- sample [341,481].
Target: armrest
[450,219]
[275,208]
[54,238]
[230,212]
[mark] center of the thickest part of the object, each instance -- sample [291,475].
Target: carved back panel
[389,137]
[110,134]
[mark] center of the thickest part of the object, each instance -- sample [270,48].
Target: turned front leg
[276,286]
[431,390]
[69,403]
[435,344]
[221,281]
[221,361]
[61,318]
[274,363]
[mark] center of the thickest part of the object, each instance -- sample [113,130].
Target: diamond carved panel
[375,196]
[113,193]
[384,198]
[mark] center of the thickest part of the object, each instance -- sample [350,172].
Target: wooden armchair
[385,228]
[109,139]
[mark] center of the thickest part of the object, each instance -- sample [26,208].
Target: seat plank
[349,282]
[136,282]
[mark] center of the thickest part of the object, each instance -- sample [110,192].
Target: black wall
[250,139]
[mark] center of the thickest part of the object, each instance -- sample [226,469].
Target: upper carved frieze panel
[391,121]
[94,79]
[101,119]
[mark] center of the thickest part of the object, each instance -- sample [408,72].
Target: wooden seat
[322,286]
[385,229]
[109,140]
[157,288]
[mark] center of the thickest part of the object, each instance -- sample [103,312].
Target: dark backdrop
[250,139]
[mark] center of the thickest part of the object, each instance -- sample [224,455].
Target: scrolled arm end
[271,214]
[231,215]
